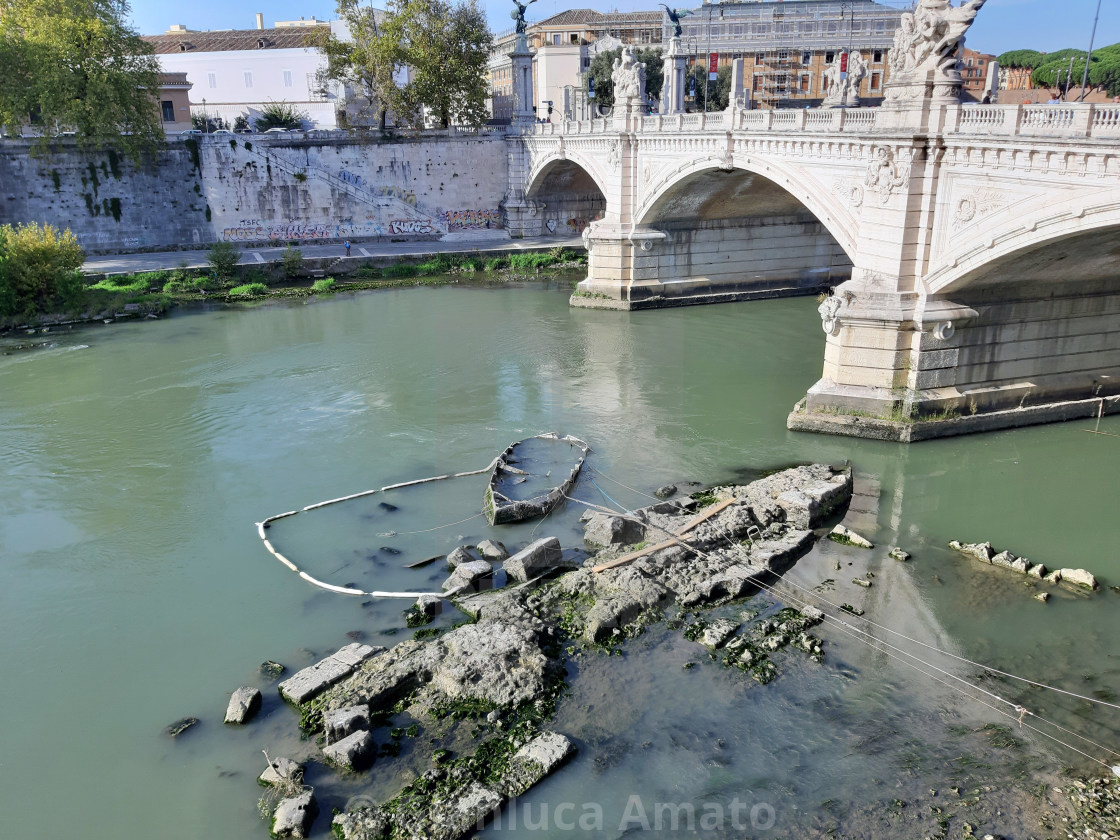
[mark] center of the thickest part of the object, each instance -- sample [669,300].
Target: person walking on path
[347,244]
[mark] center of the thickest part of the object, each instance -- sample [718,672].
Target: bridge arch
[719,228]
[772,182]
[569,192]
[1084,243]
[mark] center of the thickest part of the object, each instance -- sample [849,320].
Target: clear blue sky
[1002,24]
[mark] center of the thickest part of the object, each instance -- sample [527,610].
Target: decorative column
[673,79]
[522,60]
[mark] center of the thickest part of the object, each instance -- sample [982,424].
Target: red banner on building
[713,65]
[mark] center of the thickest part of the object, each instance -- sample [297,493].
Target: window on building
[212,80]
[168,109]
[248,78]
[806,57]
[877,57]
[829,57]
[557,38]
[969,62]
[783,55]
[880,26]
[287,78]
[876,80]
[756,86]
[804,83]
[760,58]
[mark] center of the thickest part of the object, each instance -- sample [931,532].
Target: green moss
[115,208]
[704,498]
[426,633]
[93,177]
[208,212]
[115,164]
[56,180]
[192,150]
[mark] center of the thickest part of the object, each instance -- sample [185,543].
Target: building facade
[239,72]
[786,47]
[174,102]
[563,47]
[979,73]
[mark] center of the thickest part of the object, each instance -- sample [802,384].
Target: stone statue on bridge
[519,15]
[929,38]
[629,78]
[675,16]
[843,88]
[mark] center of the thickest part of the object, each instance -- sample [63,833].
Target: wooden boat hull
[501,509]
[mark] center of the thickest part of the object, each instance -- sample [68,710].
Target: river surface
[134,590]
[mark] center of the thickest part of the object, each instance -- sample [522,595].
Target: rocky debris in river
[533,559]
[429,604]
[280,772]
[492,550]
[845,536]
[447,803]
[293,816]
[243,705]
[305,684]
[388,508]
[339,723]
[848,608]
[716,634]
[499,678]
[180,726]
[354,752]
[466,573]
[1096,807]
[897,553]
[1005,559]
[271,669]
[1079,577]
[462,554]
[1042,596]
[605,531]
[665,491]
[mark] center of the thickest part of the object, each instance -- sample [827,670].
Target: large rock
[281,771]
[243,705]
[1004,559]
[716,634]
[981,551]
[305,684]
[500,663]
[534,558]
[459,556]
[293,816]
[492,550]
[466,574]
[534,761]
[843,535]
[605,531]
[624,597]
[338,723]
[354,752]
[1079,577]
[361,824]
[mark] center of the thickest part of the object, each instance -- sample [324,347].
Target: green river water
[134,590]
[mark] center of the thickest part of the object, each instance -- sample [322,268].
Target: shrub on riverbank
[248,290]
[324,285]
[223,258]
[39,270]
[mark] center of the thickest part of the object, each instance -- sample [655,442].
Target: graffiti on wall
[351,178]
[471,219]
[252,230]
[407,196]
[411,226]
[578,225]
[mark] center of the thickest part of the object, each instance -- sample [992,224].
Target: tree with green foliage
[1021,58]
[367,62]
[39,269]
[1054,71]
[223,258]
[76,65]
[602,65]
[719,90]
[280,115]
[206,123]
[1104,69]
[446,48]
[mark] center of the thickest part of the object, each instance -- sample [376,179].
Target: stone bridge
[973,249]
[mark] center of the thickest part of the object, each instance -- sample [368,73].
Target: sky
[1001,25]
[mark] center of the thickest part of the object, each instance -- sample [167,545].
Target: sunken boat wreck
[523,485]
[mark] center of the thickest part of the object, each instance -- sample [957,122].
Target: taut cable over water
[1019,712]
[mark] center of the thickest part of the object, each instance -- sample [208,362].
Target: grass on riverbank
[154,292]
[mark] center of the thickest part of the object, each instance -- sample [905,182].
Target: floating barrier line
[345,590]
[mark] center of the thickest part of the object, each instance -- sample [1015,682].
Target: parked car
[278,130]
[222,131]
[190,132]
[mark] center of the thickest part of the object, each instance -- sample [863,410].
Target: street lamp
[1089,57]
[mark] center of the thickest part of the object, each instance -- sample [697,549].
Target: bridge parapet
[1066,121]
